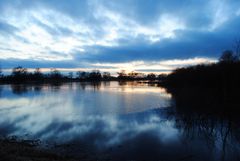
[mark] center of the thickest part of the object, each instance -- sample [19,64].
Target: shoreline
[12,149]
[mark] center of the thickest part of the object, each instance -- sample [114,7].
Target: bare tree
[19,71]
[70,75]
[54,73]
[122,74]
[82,74]
[228,56]
[1,71]
[106,75]
[237,48]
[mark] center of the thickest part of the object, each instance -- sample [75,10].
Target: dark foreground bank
[12,149]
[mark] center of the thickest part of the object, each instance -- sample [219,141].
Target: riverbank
[12,149]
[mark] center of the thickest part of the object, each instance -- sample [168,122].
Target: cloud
[90,32]
[6,28]
[163,66]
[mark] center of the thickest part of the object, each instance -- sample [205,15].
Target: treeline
[210,89]
[223,74]
[20,75]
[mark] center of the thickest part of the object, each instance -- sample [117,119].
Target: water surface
[115,121]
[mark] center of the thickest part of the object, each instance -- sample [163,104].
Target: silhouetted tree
[82,75]
[1,75]
[122,74]
[106,75]
[38,75]
[55,74]
[228,56]
[19,74]
[134,75]
[162,76]
[37,71]
[19,71]
[237,48]
[70,75]
[78,74]
[151,76]
[223,76]
[95,75]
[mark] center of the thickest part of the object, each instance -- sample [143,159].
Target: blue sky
[140,35]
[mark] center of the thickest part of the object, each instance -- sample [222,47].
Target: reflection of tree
[81,85]
[106,75]
[122,83]
[1,90]
[55,74]
[70,86]
[106,83]
[37,88]
[24,88]
[19,89]
[56,86]
[219,135]
[96,85]
[206,114]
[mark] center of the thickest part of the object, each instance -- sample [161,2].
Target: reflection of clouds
[108,130]
[9,103]
[120,130]
[40,111]
[54,122]
[71,113]
[108,119]
[52,117]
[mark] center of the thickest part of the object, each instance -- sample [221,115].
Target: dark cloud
[209,27]
[188,44]
[28,63]
[6,28]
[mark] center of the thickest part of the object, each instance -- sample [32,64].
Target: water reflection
[207,115]
[116,121]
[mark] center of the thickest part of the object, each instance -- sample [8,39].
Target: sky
[133,35]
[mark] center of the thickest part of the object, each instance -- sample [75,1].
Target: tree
[55,74]
[19,71]
[122,74]
[151,76]
[37,74]
[82,74]
[70,75]
[132,74]
[228,56]
[95,75]
[37,71]
[106,75]
[162,76]
[1,75]
[237,48]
